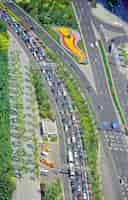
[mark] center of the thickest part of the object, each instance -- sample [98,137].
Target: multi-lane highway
[102,98]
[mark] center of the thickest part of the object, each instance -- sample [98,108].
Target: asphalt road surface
[103,98]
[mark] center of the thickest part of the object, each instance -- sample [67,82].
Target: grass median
[111,84]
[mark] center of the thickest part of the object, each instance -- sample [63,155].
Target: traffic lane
[65,106]
[118,160]
[118,40]
[97,68]
[61,141]
[67,189]
[71,130]
[19,13]
[108,176]
[49,76]
[70,135]
[107,113]
[93,52]
[121,160]
[119,78]
[110,27]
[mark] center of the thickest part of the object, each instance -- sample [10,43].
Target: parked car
[44,172]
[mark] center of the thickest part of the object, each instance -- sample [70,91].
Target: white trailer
[70,156]
[71,170]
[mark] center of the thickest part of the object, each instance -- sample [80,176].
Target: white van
[44,172]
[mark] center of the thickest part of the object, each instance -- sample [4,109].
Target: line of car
[75,154]
[75,157]
[29,40]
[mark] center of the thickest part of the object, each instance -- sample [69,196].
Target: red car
[80,196]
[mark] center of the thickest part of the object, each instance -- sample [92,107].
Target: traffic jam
[70,119]
[75,155]
[26,36]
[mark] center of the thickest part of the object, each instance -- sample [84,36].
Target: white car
[75,154]
[92,45]
[66,127]
[96,43]
[85,196]
[50,83]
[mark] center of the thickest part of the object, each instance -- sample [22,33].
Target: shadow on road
[120,10]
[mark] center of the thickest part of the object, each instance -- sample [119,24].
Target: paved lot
[27,186]
[53,156]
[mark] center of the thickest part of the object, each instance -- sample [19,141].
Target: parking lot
[54,157]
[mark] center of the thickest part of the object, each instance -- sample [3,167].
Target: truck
[73,139]
[71,170]
[70,156]
[44,153]
[68,141]
[47,163]
[44,172]
[64,92]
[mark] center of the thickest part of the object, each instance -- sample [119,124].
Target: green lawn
[57,38]
[54,191]
[41,95]
[3,41]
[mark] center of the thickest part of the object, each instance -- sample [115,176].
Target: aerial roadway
[101,100]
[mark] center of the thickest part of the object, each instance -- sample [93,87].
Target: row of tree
[51,12]
[41,94]
[6,169]
[53,191]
